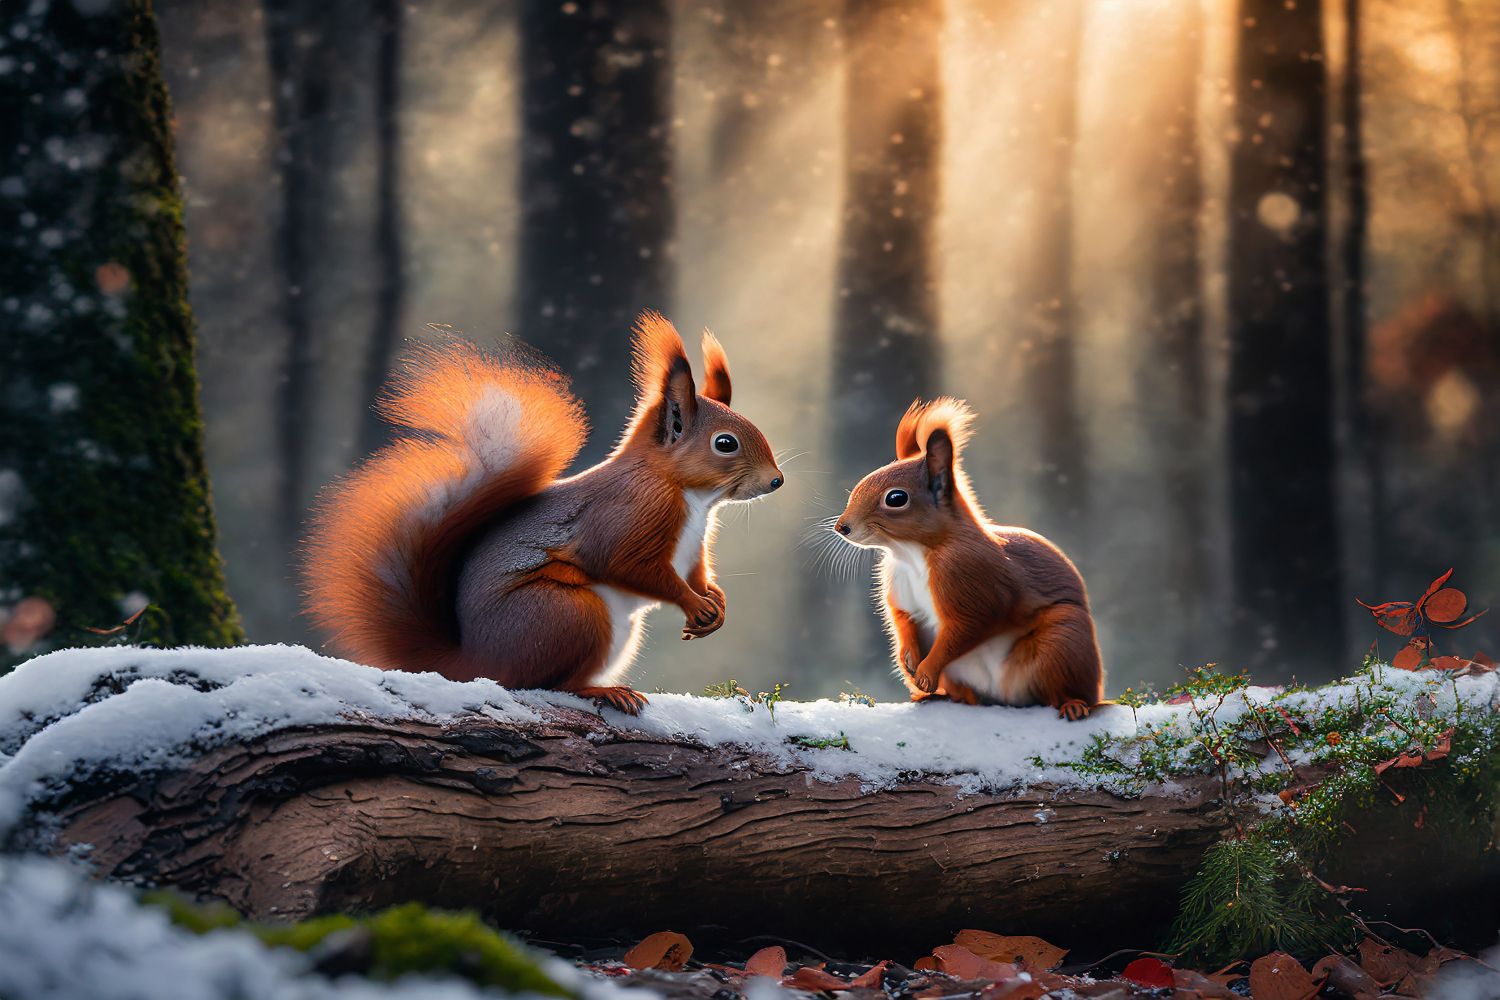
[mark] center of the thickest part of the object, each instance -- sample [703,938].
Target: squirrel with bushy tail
[462,547]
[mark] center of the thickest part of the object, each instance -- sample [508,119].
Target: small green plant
[839,742]
[732,689]
[725,689]
[772,698]
[858,696]
[1247,898]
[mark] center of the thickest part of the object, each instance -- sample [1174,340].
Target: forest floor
[996,967]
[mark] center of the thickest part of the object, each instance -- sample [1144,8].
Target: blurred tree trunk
[104,497]
[1050,128]
[1366,425]
[596,189]
[1175,377]
[1289,602]
[300,48]
[390,254]
[886,333]
[886,347]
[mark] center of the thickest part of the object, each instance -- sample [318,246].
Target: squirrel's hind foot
[1073,710]
[621,699]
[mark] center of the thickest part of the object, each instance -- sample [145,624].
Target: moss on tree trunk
[104,497]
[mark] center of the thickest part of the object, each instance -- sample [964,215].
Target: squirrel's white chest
[984,668]
[909,585]
[700,512]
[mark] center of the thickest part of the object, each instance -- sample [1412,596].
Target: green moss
[1297,778]
[403,940]
[101,439]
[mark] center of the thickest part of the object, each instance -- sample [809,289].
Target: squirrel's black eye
[895,498]
[726,444]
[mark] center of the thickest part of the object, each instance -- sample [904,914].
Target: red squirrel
[459,548]
[977,612]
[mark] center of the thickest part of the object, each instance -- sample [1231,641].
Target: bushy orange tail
[383,557]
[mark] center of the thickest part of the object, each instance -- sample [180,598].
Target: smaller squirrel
[977,612]
[461,549]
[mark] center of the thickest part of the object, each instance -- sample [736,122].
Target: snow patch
[62,936]
[70,713]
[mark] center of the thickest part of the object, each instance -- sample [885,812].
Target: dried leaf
[1279,976]
[1149,972]
[1385,962]
[1016,989]
[927,963]
[814,980]
[1416,756]
[1433,588]
[960,962]
[1030,953]
[1296,731]
[871,979]
[666,950]
[1410,658]
[1446,605]
[1399,617]
[1467,621]
[1345,979]
[767,962]
[1207,986]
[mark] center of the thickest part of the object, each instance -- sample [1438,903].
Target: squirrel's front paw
[926,676]
[705,617]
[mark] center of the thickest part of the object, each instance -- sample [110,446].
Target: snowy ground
[64,937]
[72,712]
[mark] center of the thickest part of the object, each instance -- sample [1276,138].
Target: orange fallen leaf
[1345,978]
[1149,972]
[1433,588]
[1410,658]
[1416,756]
[767,962]
[960,962]
[666,950]
[1279,976]
[814,980]
[1205,986]
[1446,605]
[871,978]
[1030,953]
[927,963]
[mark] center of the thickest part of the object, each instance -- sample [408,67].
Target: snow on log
[289,784]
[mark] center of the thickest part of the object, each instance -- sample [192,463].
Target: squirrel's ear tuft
[716,385]
[663,377]
[921,419]
[906,432]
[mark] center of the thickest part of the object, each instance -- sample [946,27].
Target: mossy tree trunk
[104,497]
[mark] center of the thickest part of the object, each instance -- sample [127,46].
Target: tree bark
[571,828]
[104,494]
[1288,590]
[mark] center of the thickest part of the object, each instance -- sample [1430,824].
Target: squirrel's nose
[842,528]
[776,483]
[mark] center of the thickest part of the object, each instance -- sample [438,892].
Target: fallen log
[573,827]
[558,823]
